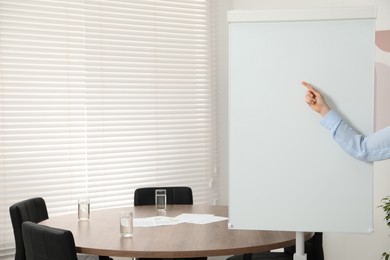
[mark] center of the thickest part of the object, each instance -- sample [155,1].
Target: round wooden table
[100,235]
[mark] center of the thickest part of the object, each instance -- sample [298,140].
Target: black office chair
[33,210]
[175,195]
[43,242]
[313,249]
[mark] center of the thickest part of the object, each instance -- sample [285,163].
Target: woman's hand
[315,100]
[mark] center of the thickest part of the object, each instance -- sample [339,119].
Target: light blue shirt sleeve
[374,147]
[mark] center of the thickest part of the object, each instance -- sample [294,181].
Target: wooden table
[100,235]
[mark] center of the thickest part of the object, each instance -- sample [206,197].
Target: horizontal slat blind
[100,97]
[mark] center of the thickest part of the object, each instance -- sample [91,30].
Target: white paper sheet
[155,221]
[199,218]
[182,218]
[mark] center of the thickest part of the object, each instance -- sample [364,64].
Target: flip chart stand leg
[300,246]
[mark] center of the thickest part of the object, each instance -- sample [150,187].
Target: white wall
[222,7]
[337,246]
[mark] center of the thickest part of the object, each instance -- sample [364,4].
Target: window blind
[100,97]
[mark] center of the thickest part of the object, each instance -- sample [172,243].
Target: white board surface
[285,170]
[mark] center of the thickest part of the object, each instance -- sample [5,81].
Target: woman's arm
[373,147]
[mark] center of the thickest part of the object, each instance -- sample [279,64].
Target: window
[101,97]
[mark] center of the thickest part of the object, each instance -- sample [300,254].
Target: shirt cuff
[331,120]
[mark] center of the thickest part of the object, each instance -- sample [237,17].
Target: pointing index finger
[309,87]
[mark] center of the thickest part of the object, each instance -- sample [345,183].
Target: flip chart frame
[285,171]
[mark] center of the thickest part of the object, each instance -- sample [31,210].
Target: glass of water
[83,209]
[126,223]
[161,199]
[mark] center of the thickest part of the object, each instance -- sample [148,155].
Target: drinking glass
[161,199]
[126,223]
[83,209]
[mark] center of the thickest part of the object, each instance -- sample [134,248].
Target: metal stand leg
[300,247]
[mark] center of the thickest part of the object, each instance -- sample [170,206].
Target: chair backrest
[45,243]
[33,210]
[175,195]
